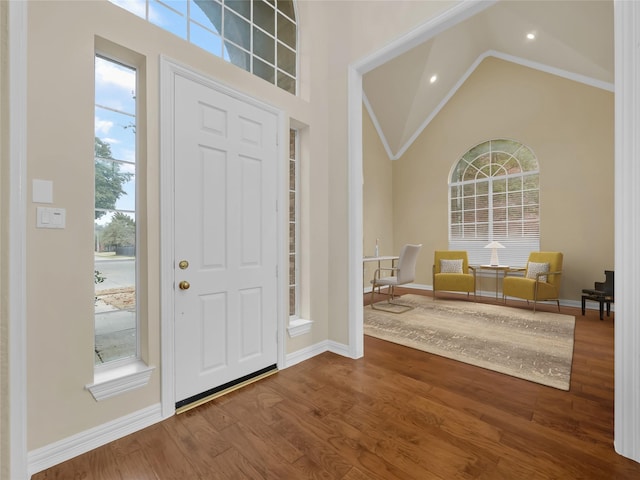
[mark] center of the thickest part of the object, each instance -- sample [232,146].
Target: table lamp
[494,246]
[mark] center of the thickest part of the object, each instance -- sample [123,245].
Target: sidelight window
[115,236]
[298,297]
[294,225]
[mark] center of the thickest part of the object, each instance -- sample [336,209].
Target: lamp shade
[494,246]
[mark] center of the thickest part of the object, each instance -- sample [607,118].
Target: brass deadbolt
[183,264]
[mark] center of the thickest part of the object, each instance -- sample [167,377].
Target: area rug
[533,346]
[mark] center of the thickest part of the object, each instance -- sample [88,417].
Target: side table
[597,296]
[501,268]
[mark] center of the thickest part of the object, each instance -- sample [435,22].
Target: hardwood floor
[397,413]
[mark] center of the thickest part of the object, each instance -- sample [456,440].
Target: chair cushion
[386,281]
[534,268]
[451,266]
[454,282]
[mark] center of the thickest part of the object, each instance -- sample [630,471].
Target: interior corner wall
[570,128]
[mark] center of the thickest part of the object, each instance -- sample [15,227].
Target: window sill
[299,327]
[110,382]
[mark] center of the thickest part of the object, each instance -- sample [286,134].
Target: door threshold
[204,397]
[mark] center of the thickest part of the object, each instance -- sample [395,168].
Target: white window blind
[515,253]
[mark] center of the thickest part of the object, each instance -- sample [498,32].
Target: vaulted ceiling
[573,39]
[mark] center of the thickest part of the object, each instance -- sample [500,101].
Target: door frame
[169,69]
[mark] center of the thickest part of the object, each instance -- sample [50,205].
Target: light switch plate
[47,217]
[42,191]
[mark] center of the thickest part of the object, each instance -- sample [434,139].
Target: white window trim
[113,380]
[124,375]
[15,428]
[299,326]
[516,249]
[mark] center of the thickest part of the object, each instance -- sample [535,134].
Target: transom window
[494,195]
[259,36]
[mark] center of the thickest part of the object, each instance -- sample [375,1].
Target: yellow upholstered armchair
[541,280]
[452,272]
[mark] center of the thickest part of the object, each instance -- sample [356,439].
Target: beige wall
[377,198]
[355,29]
[60,262]
[61,38]
[568,125]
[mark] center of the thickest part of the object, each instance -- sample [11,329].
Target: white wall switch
[42,191]
[47,217]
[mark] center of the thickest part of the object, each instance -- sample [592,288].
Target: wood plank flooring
[397,413]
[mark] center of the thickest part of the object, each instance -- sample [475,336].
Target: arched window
[494,195]
[259,36]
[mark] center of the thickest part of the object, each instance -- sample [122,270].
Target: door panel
[250,323]
[213,313]
[213,174]
[225,221]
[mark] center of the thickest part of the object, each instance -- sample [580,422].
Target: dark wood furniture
[603,293]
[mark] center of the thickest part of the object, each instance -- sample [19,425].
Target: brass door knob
[184,285]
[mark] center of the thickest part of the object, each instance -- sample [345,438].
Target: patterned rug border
[537,347]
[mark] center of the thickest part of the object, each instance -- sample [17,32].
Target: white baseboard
[313,350]
[488,294]
[63,450]
[338,348]
[419,286]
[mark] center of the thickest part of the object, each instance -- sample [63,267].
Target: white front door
[225,239]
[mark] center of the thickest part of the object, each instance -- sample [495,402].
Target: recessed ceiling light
[531,36]
[433,79]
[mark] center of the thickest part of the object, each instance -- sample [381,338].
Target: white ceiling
[574,39]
